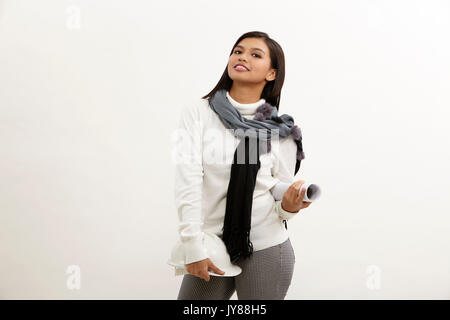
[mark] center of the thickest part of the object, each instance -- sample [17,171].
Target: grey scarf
[236,230]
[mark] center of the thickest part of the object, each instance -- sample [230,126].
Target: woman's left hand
[292,200]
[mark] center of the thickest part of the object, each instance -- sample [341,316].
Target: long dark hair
[272,90]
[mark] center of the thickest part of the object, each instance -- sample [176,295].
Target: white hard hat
[217,253]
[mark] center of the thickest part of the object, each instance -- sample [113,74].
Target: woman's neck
[245,94]
[245,108]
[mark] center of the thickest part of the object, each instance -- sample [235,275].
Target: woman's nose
[241,58]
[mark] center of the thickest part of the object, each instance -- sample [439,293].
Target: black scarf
[255,136]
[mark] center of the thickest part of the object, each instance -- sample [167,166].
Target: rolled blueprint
[312,191]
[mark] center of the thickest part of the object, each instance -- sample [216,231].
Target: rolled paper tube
[312,193]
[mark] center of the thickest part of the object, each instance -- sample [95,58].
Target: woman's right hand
[200,268]
[293,200]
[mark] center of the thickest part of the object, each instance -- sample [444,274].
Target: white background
[90,92]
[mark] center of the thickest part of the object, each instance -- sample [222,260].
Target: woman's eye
[254,53]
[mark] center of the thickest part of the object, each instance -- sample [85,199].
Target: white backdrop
[90,93]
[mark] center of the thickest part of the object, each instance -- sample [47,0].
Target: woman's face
[254,54]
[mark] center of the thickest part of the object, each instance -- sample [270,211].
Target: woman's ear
[272,75]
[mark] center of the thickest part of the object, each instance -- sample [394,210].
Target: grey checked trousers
[266,275]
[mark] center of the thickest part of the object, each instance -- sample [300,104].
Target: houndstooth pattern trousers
[266,275]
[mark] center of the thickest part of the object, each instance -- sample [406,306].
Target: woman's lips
[240,69]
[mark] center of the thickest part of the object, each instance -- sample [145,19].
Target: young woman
[251,81]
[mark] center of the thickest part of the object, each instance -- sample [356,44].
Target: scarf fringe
[238,244]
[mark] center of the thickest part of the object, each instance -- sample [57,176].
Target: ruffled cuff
[194,250]
[283,214]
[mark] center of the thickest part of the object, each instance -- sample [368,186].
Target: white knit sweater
[204,151]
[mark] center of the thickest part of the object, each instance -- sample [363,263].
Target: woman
[208,188]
